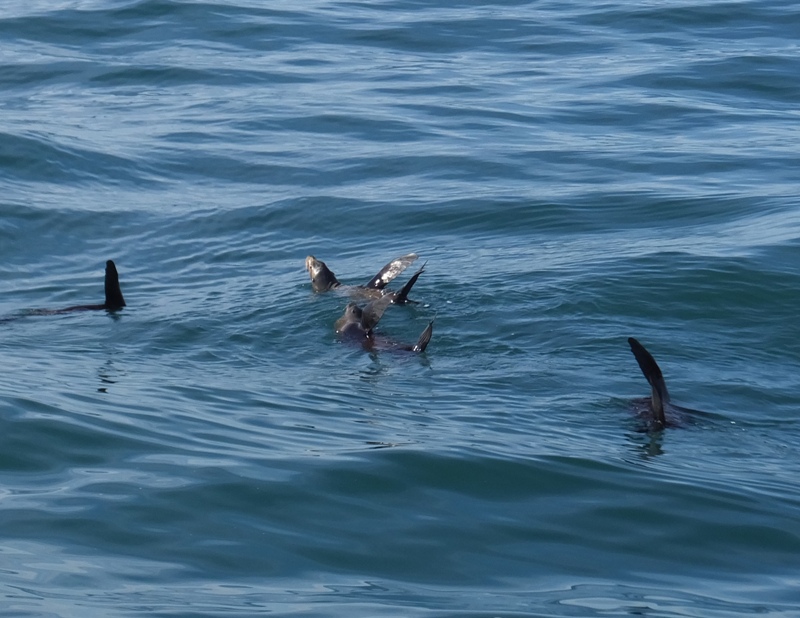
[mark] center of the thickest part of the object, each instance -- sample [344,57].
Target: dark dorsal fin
[390,271]
[424,338]
[114,299]
[373,312]
[401,297]
[652,372]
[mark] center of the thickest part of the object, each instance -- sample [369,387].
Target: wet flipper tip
[114,298]
[390,271]
[401,297]
[424,338]
[655,378]
[373,312]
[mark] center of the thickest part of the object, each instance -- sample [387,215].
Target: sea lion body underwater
[357,326]
[114,300]
[323,279]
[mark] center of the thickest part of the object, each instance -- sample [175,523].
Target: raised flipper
[424,339]
[401,297]
[651,371]
[114,298]
[390,271]
[373,312]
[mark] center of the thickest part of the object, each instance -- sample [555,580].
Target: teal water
[573,173]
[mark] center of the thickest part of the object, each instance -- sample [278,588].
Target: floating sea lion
[658,405]
[114,299]
[357,325]
[323,279]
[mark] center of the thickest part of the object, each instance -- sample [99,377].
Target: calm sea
[574,173]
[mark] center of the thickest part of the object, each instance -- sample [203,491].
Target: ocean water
[574,173]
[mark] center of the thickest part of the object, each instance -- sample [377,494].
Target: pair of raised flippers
[358,323]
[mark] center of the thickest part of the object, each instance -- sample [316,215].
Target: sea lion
[114,299]
[357,325]
[323,279]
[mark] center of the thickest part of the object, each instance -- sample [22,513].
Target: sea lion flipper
[114,298]
[424,338]
[390,271]
[373,312]
[652,372]
[401,297]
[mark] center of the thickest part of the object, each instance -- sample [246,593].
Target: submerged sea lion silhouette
[357,325]
[323,279]
[114,299]
[658,405]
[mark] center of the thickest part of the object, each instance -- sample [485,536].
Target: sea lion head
[351,317]
[322,277]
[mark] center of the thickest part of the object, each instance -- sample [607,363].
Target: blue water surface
[573,174]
